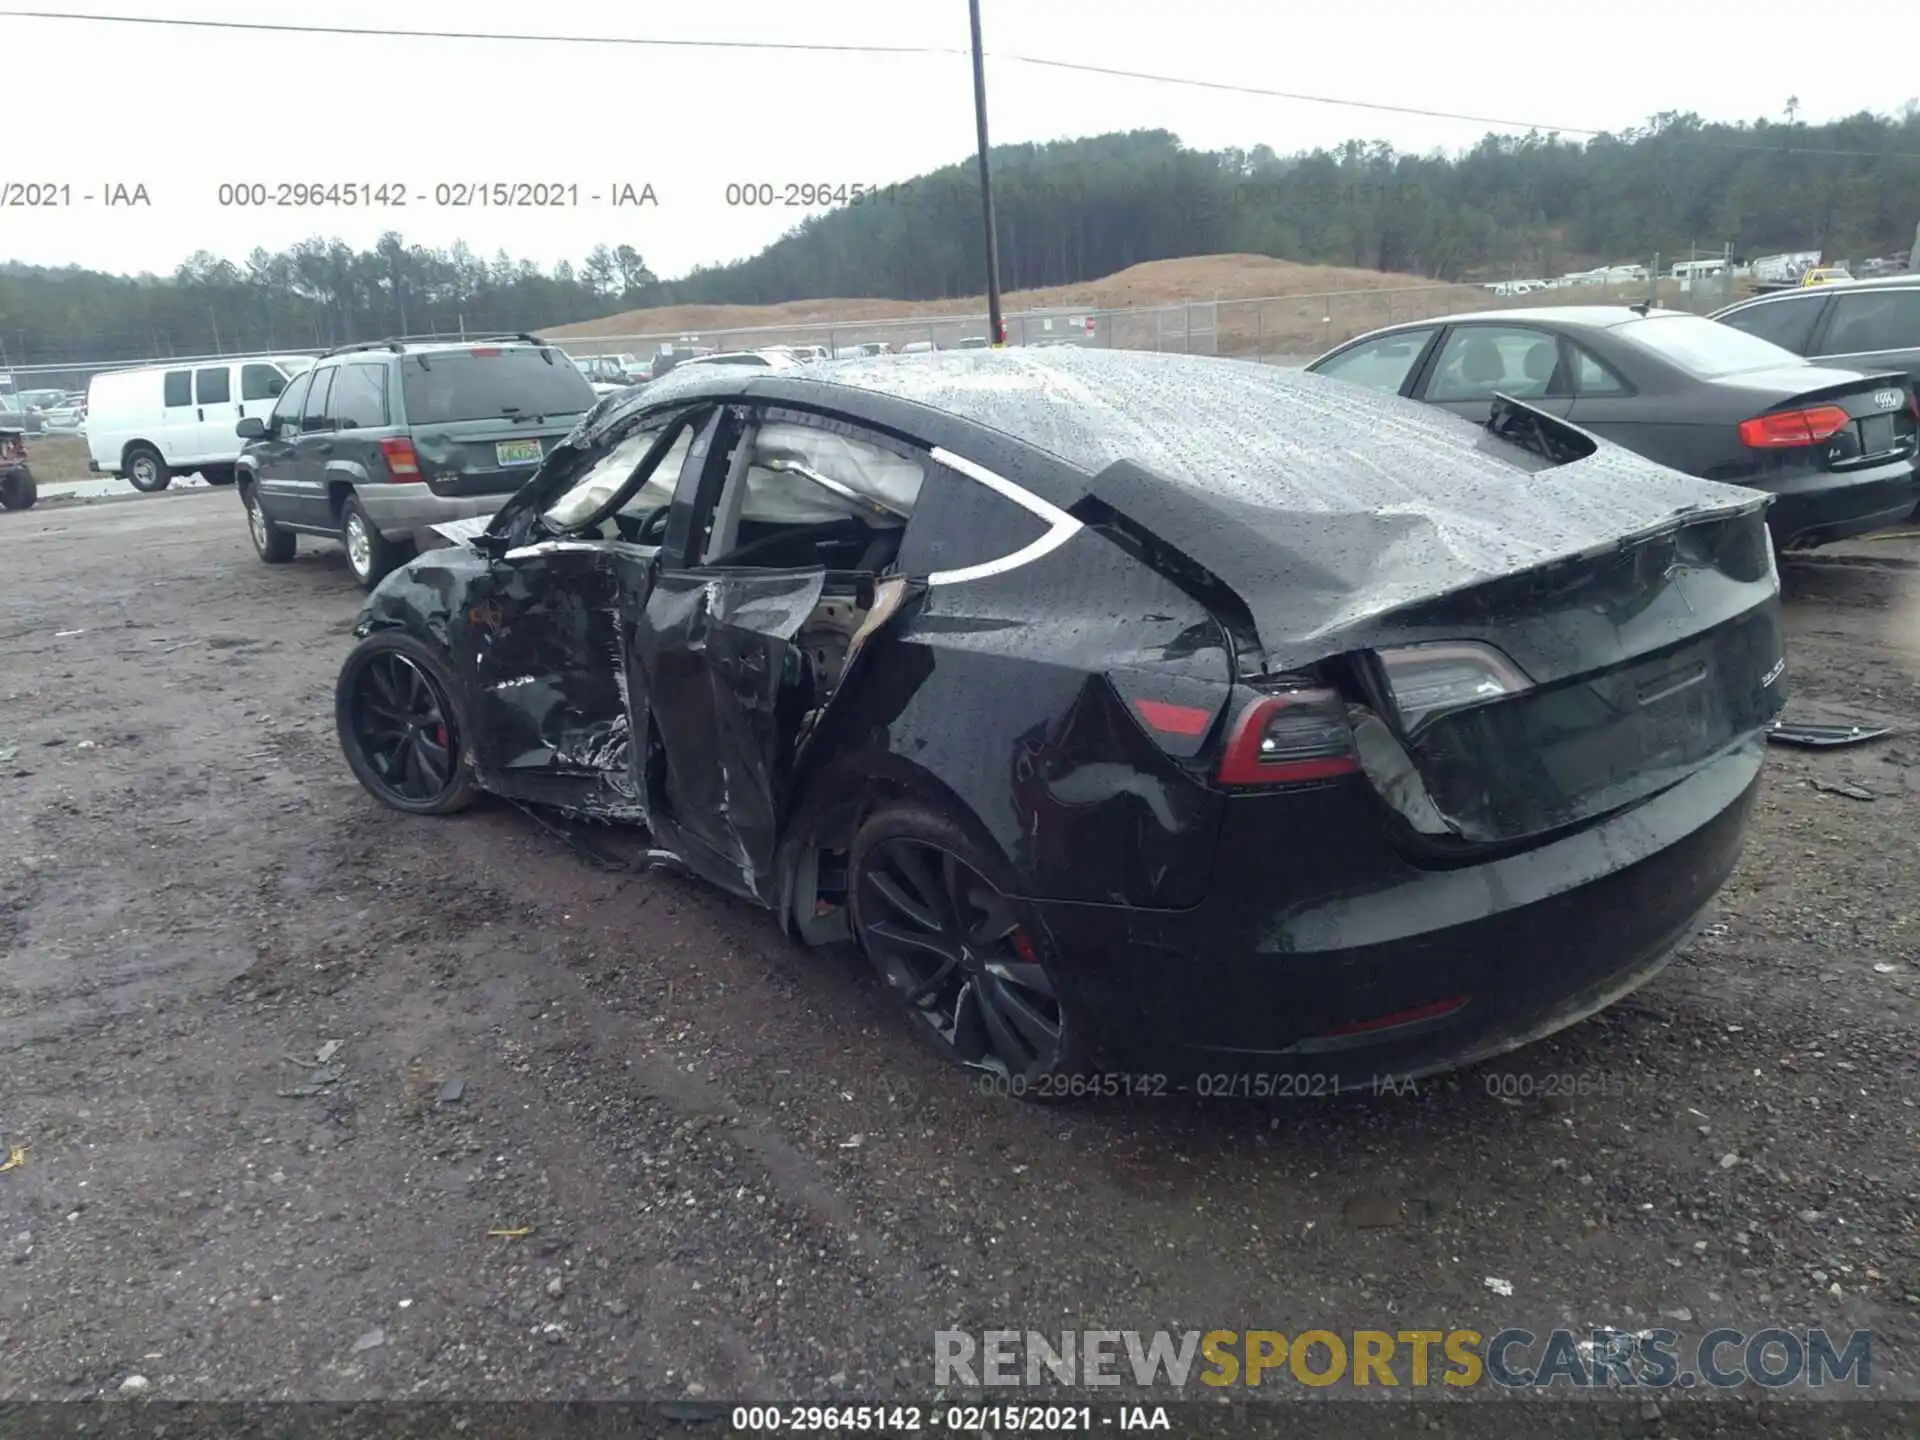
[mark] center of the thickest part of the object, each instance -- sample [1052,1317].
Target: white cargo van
[160,421]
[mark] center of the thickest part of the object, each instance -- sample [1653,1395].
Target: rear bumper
[400,511]
[1468,962]
[1823,508]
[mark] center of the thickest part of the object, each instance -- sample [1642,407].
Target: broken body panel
[1634,610]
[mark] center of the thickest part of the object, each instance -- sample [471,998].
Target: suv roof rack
[393,345]
[398,343]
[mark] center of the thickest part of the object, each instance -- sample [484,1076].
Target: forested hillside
[1068,211]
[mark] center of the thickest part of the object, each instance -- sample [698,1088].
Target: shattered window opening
[604,479]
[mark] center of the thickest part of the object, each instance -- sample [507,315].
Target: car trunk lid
[1633,667]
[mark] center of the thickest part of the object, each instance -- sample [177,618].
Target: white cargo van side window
[260,382]
[213,386]
[178,391]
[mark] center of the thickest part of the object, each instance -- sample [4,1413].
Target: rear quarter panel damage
[992,696]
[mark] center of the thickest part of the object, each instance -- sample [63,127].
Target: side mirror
[251,428]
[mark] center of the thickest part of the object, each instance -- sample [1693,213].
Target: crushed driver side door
[732,693]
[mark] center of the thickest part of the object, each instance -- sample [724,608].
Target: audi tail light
[1788,429]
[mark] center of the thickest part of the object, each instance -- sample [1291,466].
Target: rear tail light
[1913,402]
[1166,718]
[1787,429]
[1425,680]
[489,350]
[402,463]
[1290,737]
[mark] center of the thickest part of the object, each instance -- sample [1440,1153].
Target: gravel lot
[722,1167]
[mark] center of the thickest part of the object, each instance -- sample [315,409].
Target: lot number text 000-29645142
[443,194]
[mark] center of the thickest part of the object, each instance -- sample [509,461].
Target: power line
[1188,82]
[522,39]
[1415,110]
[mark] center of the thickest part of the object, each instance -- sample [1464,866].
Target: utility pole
[995,328]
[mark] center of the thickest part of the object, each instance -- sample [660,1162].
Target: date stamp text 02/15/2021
[1507,1085]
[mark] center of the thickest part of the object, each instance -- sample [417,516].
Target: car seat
[1481,363]
[1542,359]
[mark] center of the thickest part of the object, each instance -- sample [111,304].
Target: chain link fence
[1286,330]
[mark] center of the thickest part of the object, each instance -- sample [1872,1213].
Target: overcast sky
[182,111]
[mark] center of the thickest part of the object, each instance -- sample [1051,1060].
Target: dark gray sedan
[1835,446]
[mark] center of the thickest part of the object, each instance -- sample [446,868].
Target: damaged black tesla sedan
[1133,713]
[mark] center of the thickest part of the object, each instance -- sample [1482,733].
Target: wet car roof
[1258,434]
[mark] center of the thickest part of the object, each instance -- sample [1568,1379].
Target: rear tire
[274,545]
[370,555]
[933,910]
[146,471]
[17,490]
[395,694]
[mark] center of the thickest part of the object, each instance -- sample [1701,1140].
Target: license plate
[518,452]
[1876,434]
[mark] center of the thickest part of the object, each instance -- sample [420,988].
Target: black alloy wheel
[955,951]
[400,732]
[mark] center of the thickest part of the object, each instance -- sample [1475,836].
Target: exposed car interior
[796,497]
[800,497]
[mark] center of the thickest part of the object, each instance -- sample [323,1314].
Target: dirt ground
[592,1131]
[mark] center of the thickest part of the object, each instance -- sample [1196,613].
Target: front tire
[17,490]
[274,545]
[146,471]
[370,555]
[401,726]
[934,911]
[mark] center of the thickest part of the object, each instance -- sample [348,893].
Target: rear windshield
[1705,348]
[508,383]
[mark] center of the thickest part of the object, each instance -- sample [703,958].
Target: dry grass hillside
[1271,309]
[1158,282]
